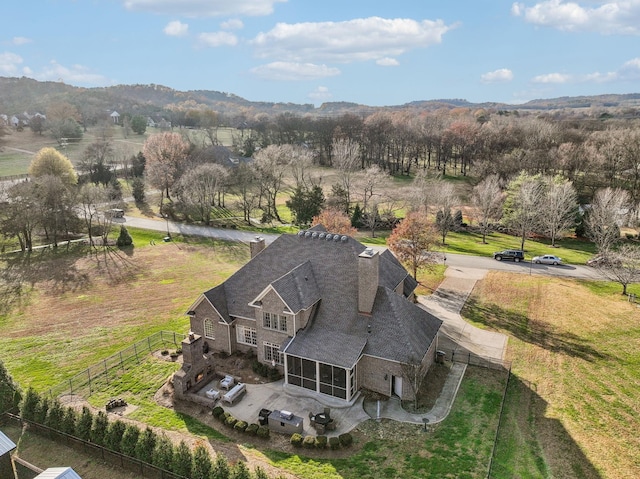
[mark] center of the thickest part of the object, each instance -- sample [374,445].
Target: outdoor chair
[319,428]
[327,411]
[331,425]
[312,419]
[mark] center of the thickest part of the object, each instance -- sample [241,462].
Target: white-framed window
[246,335]
[274,321]
[272,353]
[209,331]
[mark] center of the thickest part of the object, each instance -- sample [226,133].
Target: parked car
[547,259]
[516,255]
[115,213]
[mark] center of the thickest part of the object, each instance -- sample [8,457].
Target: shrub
[346,439]
[334,443]
[321,442]
[309,442]
[296,439]
[217,412]
[231,421]
[124,239]
[263,432]
[164,352]
[252,429]
[240,426]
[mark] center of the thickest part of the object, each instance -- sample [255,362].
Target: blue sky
[307,51]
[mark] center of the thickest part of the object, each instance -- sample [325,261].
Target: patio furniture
[320,428]
[227,382]
[312,419]
[331,425]
[322,419]
[235,393]
[263,416]
[212,394]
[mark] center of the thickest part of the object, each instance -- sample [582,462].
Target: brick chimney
[368,265]
[256,245]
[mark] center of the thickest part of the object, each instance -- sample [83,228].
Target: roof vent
[314,235]
[307,234]
[301,233]
[336,238]
[344,239]
[328,237]
[321,235]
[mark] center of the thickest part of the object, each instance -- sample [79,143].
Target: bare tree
[346,159]
[622,266]
[488,199]
[300,162]
[372,179]
[20,214]
[444,199]
[604,217]
[245,184]
[270,164]
[165,154]
[91,197]
[522,205]
[559,207]
[198,188]
[415,371]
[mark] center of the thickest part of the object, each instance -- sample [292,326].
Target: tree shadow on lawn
[529,440]
[531,331]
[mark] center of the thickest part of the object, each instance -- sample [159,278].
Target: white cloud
[497,76]
[176,29]
[21,40]
[294,71]
[387,62]
[9,62]
[76,74]
[204,8]
[552,78]
[361,39]
[613,17]
[320,94]
[217,39]
[233,24]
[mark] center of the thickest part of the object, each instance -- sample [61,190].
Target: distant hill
[18,95]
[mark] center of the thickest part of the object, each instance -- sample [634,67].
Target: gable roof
[58,473]
[315,267]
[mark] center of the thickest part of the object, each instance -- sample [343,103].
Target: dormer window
[274,321]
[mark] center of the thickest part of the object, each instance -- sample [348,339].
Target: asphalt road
[452,260]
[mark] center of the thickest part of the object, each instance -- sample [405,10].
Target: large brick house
[331,314]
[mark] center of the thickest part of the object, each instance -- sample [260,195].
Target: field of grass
[573,407]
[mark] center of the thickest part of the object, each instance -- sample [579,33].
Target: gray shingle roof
[298,288]
[305,268]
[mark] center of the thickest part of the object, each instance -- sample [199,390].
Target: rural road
[452,260]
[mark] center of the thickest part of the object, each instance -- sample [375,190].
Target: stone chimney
[256,246]
[368,265]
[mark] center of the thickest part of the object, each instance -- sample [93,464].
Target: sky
[310,52]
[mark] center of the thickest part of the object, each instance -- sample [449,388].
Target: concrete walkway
[456,334]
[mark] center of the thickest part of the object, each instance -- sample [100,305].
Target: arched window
[209,331]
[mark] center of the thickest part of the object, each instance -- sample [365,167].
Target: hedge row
[145,445]
[241,426]
[321,442]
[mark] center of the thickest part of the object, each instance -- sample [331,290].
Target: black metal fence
[111,457]
[472,359]
[96,376]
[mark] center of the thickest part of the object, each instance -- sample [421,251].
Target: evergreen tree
[145,445]
[306,203]
[69,419]
[55,415]
[99,428]
[42,410]
[240,471]
[137,190]
[124,239]
[221,468]
[129,440]
[30,405]
[84,424]
[356,217]
[182,460]
[9,391]
[137,165]
[163,453]
[202,465]
[259,473]
[113,437]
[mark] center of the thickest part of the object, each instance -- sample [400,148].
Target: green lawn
[573,399]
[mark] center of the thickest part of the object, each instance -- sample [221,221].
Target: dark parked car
[516,255]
